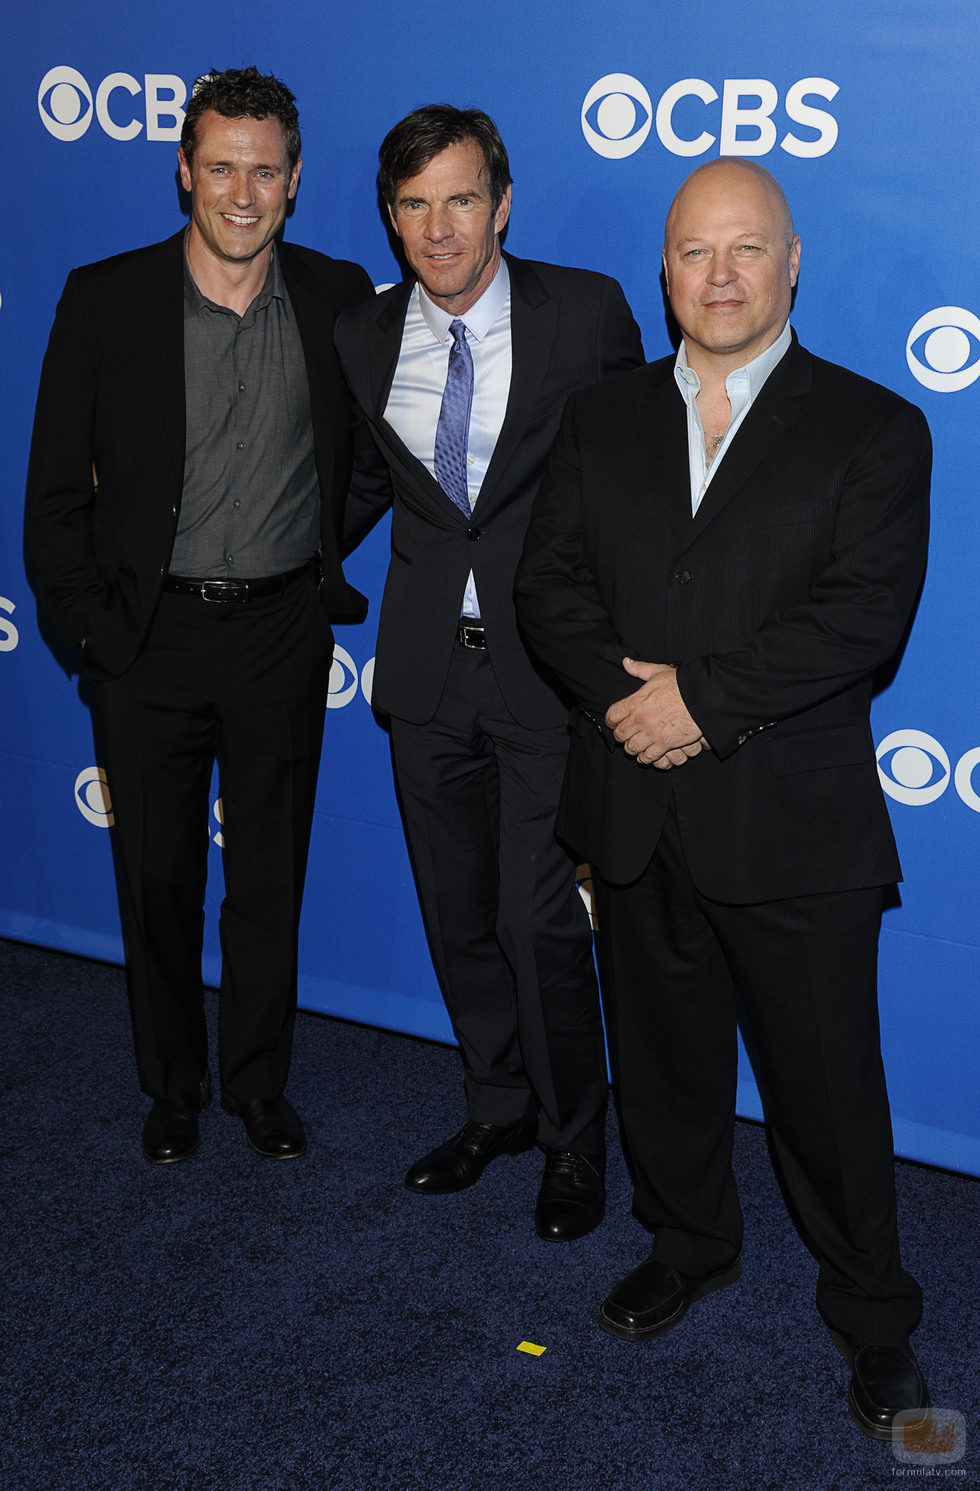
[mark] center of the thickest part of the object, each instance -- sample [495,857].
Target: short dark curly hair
[409,146]
[242,93]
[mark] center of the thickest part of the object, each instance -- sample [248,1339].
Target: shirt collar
[480,316]
[195,300]
[753,374]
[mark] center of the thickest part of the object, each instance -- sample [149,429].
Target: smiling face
[450,233]
[240,182]
[731,260]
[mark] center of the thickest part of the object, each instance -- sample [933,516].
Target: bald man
[727,545]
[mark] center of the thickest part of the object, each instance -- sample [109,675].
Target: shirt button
[240,445]
[241,388]
[472,460]
[229,559]
[236,504]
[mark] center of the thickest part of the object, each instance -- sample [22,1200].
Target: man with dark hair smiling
[191,449]
[461,373]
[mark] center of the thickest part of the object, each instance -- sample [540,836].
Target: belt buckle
[472,635]
[227,590]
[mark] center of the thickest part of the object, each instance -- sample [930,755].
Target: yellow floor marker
[531,1349]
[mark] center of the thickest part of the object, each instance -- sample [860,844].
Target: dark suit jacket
[569,327]
[778,601]
[112,399]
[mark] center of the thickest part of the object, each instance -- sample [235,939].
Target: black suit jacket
[111,411]
[569,327]
[778,601]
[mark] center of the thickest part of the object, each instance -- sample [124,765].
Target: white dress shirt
[420,380]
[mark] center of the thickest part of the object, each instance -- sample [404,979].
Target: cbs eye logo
[950,337]
[345,677]
[65,103]
[914,769]
[92,797]
[616,115]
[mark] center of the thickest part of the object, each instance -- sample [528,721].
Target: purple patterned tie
[453,429]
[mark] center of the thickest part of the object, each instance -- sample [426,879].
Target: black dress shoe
[572,1198]
[462,1159]
[272,1126]
[656,1296]
[171,1132]
[884,1381]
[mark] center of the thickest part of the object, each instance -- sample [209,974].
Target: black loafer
[885,1380]
[572,1198]
[171,1131]
[462,1159]
[273,1128]
[656,1296]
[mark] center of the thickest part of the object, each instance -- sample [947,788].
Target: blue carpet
[231,1324]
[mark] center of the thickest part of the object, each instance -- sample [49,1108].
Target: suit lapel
[662,419]
[164,311]
[533,317]
[314,322]
[779,405]
[384,340]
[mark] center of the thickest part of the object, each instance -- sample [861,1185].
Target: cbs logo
[9,635]
[66,105]
[617,114]
[915,770]
[950,337]
[92,797]
[344,679]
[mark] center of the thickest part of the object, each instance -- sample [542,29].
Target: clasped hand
[653,724]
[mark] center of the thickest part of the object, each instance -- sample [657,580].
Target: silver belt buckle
[227,590]
[472,634]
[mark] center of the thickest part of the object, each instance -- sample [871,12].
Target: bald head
[716,177]
[731,260]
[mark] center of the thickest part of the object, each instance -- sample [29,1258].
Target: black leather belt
[472,634]
[227,591]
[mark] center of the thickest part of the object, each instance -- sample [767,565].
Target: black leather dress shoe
[884,1381]
[171,1131]
[656,1296]
[572,1198]
[462,1159]
[273,1128]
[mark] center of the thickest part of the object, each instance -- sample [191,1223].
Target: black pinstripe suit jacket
[779,600]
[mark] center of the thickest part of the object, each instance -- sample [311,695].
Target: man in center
[461,375]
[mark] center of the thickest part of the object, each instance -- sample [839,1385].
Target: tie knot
[458,329]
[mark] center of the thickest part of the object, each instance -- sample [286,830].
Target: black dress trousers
[243,684]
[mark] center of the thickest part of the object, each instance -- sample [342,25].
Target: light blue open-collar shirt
[742,387]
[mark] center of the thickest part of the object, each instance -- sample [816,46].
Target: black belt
[471,634]
[227,591]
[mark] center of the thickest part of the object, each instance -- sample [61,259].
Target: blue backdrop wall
[867,114]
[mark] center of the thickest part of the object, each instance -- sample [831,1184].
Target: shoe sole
[173,1159]
[647,1332]
[265,1154]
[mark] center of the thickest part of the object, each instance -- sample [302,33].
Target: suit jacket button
[473,534]
[683,577]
